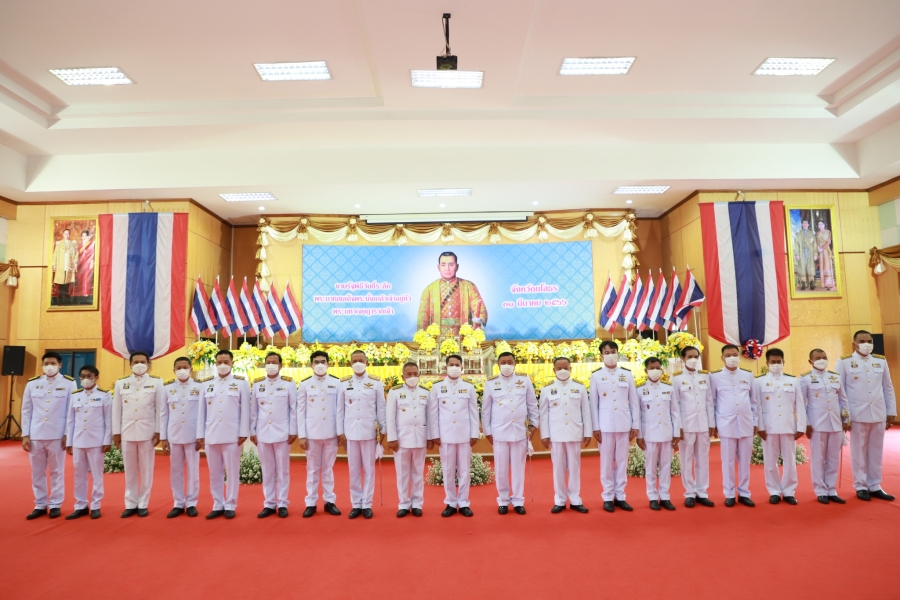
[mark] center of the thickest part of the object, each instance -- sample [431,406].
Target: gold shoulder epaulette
[375,377]
[625,369]
[239,377]
[126,377]
[704,372]
[789,375]
[258,379]
[748,370]
[846,356]
[597,369]
[677,373]
[423,388]
[70,378]
[78,390]
[102,390]
[169,382]
[154,377]
[205,379]
[347,378]
[35,377]
[330,375]
[641,385]
[305,378]
[492,378]
[832,372]
[881,356]
[758,376]
[805,374]
[287,378]
[716,371]
[397,387]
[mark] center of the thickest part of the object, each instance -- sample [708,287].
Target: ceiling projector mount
[446,61]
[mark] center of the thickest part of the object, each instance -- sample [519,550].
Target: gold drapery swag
[9,272]
[588,225]
[878,258]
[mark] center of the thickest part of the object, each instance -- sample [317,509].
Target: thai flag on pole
[671,316]
[203,320]
[652,320]
[267,319]
[743,253]
[640,317]
[239,317]
[291,310]
[223,316]
[664,319]
[609,299]
[637,296]
[254,321]
[618,307]
[691,296]
[143,274]
[277,313]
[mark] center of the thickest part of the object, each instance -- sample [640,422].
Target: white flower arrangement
[480,472]
[251,468]
[756,457]
[637,463]
[113,461]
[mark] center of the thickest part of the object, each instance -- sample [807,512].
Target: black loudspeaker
[878,343]
[13,360]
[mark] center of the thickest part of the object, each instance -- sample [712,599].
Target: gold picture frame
[72,268]
[813,251]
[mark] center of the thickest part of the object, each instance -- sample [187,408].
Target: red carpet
[809,550]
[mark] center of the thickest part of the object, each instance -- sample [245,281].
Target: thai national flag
[291,310]
[743,245]
[664,319]
[239,317]
[637,296]
[254,321]
[656,303]
[691,296]
[609,299]
[143,274]
[277,312]
[618,307]
[223,316]
[267,319]
[671,318]
[203,320]
[640,317]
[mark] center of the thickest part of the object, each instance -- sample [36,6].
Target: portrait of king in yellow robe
[450,302]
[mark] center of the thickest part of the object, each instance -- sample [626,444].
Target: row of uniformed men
[695,407]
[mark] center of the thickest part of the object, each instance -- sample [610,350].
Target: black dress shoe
[95,514]
[557,509]
[129,512]
[623,505]
[503,509]
[689,502]
[143,512]
[729,502]
[81,512]
[309,511]
[192,511]
[355,512]
[367,513]
[705,502]
[654,505]
[667,504]
[790,500]
[774,499]
[609,506]
[216,514]
[822,499]
[175,512]
[836,500]
[229,514]
[55,513]
[38,512]
[402,513]
[881,495]
[282,512]
[417,512]
[863,495]
[746,501]
[265,512]
[449,511]
[578,508]
[331,509]
[520,510]
[466,512]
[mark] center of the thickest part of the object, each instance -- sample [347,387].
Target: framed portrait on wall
[813,257]
[72,267]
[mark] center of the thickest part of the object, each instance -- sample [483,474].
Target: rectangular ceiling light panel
[447,79]
[596,66]
[316,70]
[641,189]
[92,76]
[445,192]
[248,197]
[793,66]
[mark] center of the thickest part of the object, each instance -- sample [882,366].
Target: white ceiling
[200,122]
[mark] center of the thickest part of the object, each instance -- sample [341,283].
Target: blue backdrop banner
[386,293]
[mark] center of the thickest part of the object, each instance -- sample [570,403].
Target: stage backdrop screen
[386,293]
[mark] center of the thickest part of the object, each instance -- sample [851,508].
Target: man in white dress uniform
[88,438]
[693,393]
[178,430]
[407,435]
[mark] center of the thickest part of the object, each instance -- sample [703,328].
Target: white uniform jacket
[693,392]
[45,406]
[736,404]
[90,419]
[826,404]
[614,402]
[224,414]
[273,409]
[454,412]
[781,407]
[565,412]
[178,420]
[317,401]
[137,404]
[868,388]
[407,416]
[505,405]
[361,405]
[660,418]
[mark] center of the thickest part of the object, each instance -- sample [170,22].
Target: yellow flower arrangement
[546,351]
[564,349]
[400,353]
[469,343]
[465,329]
[526,351]
[449,346]
[433,330]
[478,334]
[202,354]
[428,344]
[631,349]
[335,355]
[501,346]
[579,349]
[302,353]
[247,357]
[420,336]
[679,340]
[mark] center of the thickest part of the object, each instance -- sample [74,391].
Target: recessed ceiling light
[316,70]
[445,192]
[534,203]
[793,66]
[248,197]
[596,66]
[262,208]
[447,79]
[629,201]
[641,189]
[92,76]
[356,206]
[442,205]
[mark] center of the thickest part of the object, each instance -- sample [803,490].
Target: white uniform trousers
[361,459]
[276,471]
[824,459]
[44,455]
[88,460]
[658,458]
[614,464]
[783,444]
[221,459]
[694,450]
[456,460]
[866,447]
[320,459]
[184,457]
[736,449]
[410,465]
[138,458]
[509,465]
[566,456]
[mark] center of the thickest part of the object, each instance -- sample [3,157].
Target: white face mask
[507,370]
[864,349]
[732,361]
[821,364]
[320,369]
[51,370]
[563,374]
[776,369]
[272,370]
[183,374]
[654,374]
[692,363]
[223,369]
[359,368]
[453,372]
[412,381]
[610,360]
[139,368]
[87,384]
